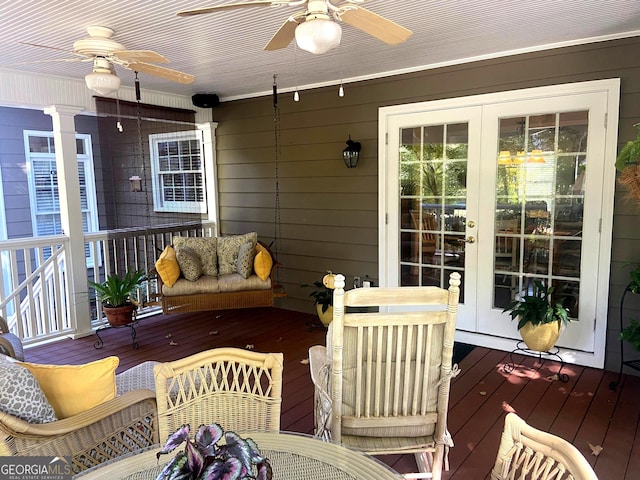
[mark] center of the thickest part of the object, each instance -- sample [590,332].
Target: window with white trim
[178,172]
[43,184]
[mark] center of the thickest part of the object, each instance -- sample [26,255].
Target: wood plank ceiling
[224,50]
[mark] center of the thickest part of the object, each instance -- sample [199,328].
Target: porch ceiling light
[103,79]
[318,35]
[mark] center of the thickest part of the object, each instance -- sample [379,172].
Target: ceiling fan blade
[198,11]
[70,52]
[282,38]
[163,72]
[375,25]
[46,61]
[140,56]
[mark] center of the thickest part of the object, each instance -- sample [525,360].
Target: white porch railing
[34,288]
[34,297]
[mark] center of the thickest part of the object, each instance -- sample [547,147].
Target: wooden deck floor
[583,410]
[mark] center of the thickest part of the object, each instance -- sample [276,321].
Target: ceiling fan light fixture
[102,83]
[318,35]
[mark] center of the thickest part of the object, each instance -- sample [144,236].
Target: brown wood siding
[329,213]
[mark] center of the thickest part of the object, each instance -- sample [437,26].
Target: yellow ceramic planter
[325,317]
[540,338]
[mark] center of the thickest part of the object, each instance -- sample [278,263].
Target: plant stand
[635,364]
[99,343]
[551,354]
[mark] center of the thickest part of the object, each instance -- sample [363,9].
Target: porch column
[64,137]
[208,132]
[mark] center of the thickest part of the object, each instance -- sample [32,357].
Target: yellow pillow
[262,262]
[72,389]
[167,266]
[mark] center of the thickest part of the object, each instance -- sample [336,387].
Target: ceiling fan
[314,29]
[105,53]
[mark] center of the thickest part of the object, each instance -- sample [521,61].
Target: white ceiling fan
[317,29]
[105,53]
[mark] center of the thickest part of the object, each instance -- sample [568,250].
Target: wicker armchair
[239,389]
[527,453]
[382,384]
[106,431]
[10,344]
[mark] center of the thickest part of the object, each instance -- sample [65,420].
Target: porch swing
[248,297]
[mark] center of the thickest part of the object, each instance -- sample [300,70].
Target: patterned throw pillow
[205,247]
[228,249]
[244,263]
[21,395]
[190,264]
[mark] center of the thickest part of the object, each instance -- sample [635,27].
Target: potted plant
[539,317]
[116,294]
[628,162]
[323,297]
[205,458]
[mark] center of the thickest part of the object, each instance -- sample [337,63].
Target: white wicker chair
[239,389]
[382,384]
[526,453]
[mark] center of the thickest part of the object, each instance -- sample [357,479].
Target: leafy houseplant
[116,294]
[628,162]
[323,297]
[634,274]
[204,458]
[539,317]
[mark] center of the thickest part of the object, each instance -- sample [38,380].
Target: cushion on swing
[167,266]
[229,248]
[205,247]
[262,262]
[244,262]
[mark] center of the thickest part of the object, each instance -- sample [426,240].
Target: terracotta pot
[325,317]
[119,316]
[540,338]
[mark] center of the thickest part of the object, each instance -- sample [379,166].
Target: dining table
[293,456]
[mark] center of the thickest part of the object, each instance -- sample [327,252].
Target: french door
[506,189]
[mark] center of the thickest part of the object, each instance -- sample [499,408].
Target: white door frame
[611,87]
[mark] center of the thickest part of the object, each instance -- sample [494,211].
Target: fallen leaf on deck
[595,449]
[553,378]
[172,343]
[167,336]
[304,361]
[483,393]
[218,316]
[249,346]
[213,332]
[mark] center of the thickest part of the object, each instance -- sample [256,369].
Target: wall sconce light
[351,154]
[135,183]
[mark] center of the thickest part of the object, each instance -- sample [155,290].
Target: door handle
[469,239]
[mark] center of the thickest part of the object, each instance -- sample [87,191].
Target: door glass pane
[541,164]
[433,199]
